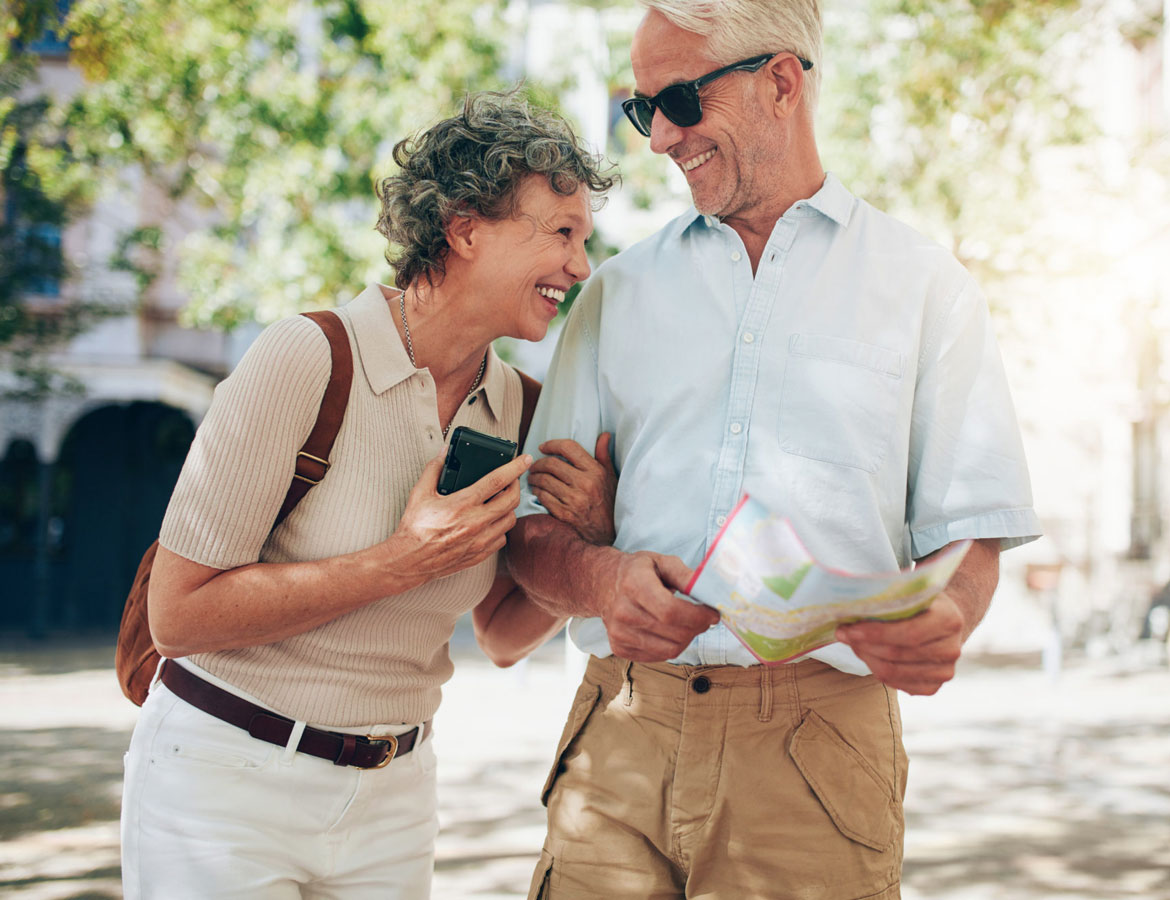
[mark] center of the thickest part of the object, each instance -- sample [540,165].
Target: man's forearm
[557,569]
[974,582]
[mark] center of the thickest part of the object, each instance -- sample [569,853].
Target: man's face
[728,155]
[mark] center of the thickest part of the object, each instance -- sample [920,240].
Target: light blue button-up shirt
[852,385]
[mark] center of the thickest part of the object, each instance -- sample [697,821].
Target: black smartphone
[471,455]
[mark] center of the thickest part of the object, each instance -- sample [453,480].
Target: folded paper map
[781,603]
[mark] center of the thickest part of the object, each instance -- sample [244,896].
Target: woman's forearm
[509,626]
[197,609]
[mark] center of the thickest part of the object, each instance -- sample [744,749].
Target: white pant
[209,811]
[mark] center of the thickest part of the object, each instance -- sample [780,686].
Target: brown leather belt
[361,751]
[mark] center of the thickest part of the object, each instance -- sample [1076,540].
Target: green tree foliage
[935,110]
[37,195]
[277,119]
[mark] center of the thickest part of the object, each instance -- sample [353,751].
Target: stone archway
[20,514]
[117,467]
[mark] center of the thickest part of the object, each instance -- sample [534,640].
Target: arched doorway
[114,475]
[20,512]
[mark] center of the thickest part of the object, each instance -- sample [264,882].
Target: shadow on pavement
[1022,787]
[59,778]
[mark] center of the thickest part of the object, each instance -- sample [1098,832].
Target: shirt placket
[745,366]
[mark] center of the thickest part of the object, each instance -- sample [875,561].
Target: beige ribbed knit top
[383,663]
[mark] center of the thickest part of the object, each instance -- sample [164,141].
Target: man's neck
[798,175]
[755,225]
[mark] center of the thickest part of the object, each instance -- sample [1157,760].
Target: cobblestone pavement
[1022,785]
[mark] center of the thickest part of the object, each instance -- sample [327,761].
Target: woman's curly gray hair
[473,164]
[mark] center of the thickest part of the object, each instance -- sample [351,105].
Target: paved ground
[1023,785]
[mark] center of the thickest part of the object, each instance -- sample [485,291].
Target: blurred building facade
[85,476]
[1088,351]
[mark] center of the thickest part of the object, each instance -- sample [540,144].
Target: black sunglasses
[680,102]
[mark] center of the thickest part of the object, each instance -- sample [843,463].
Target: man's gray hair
[738,29]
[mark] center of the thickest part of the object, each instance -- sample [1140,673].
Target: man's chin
[708,205]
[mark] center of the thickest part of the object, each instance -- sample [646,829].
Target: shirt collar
[494,383]
[831,200]
[384,358]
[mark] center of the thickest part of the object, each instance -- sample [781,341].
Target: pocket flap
[852,793]
[538,890]
[583,703]
[852,353]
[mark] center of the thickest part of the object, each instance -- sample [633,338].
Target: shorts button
[701,685]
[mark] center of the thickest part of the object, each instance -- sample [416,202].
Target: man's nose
[664,134]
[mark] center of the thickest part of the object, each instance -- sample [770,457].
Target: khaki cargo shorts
[725,783]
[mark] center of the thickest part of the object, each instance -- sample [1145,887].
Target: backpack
[136,659]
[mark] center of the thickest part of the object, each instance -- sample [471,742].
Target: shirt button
[748,337]
[721,521]
[736,428]
[701,685]
[736,256]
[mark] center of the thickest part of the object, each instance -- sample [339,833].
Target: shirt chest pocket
[839,400]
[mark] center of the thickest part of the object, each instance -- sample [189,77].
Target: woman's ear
[462,234]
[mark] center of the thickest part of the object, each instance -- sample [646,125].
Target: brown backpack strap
[313,458]
[530,387]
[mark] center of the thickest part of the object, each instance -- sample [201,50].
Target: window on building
[30,232]
[50,43]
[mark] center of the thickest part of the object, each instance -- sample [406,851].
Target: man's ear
[785,84]
[462,234]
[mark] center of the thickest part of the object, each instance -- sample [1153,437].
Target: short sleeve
[968,477]
[569,405]
[240,464]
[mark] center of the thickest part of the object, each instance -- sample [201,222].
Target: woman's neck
[442,335]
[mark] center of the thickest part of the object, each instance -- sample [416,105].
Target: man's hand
[916,655]
[577,488]
[644,620]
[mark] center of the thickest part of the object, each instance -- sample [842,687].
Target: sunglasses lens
[680,104]
[640,112]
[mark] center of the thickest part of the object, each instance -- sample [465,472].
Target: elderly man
[786,339]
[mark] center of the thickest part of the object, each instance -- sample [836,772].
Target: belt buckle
[392,740]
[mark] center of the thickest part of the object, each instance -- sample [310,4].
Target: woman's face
[528,261]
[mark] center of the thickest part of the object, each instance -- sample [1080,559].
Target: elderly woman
[335,625]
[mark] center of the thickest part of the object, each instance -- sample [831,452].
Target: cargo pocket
[539,889]
[847,786]
[583,704]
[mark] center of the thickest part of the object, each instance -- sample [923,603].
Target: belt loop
[629,685]
[294,741]
[348,747]
[765,693]
[162,661]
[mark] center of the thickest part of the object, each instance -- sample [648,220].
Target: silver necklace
[410,353]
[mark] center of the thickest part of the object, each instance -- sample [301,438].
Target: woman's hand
[439,535]
[576,488]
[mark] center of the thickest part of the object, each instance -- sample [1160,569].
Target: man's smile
[695,161]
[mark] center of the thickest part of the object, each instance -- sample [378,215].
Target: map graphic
[781,603]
